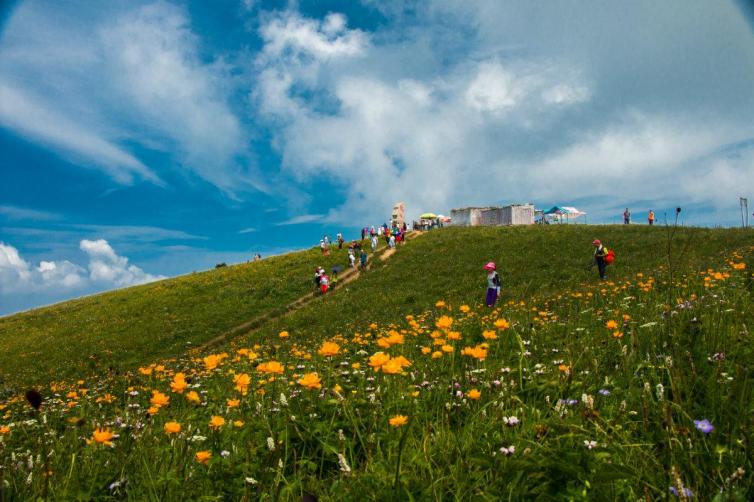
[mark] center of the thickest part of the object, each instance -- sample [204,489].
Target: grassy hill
[571,388]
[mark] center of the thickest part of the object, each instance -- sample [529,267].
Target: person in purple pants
[493,284]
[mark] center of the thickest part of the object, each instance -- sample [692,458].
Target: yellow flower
[426,350]
[436,354]
[502,324]
[284,334]
[477,352]
[329,349]
[378,360]
[271,367]
[356,366]
[159,399]
[238,423]
[474,394]
[172,428]
[193,397]
[454,335]
[242,381]
[145,371]
[179,383]
[611,324]
[464,308]
[447,348]
[211,362]
[310,381]
[398,420]
[216,422]
[489,334]
[440,304]
[203,457]
[233,403]
[392,367]
[103,436]
[444,322]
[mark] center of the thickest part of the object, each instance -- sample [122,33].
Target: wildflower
[378,360]
[444,322]
[477,352]
[203,457]
[107,398]
[284,334]
[659,391]
[344,467]
[242,381]
[398,420]
[329,349]
[604,392]
[4,429]
[611,324]
[564,368]
[238,423]
[511,421]
[271,367]
[233,403]
[103,436]
[153,410]
[440,304]
[508,451]
[474,394]
[704,426]
[447,348]
[617,334]
[179,383]
[193,397]
[436,354]
[426,350]
[590,444]
[159,399]
[310,381]
[464,308]
[216,422]
[502,324]
[489,334]
[172,428]
[686,492]
[211,362]
[225,454]
[270,444]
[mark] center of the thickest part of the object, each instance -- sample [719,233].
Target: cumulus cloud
[105,269]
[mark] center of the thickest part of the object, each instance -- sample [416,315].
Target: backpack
[610,257]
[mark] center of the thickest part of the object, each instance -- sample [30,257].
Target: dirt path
[349,275]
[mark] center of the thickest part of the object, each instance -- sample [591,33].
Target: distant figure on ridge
[363,260]
[493,284]
[600,253]
[651,217]
[626,217]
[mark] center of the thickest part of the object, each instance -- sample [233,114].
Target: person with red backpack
[602,257]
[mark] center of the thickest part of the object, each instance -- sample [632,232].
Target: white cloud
[304,218]
[24,213]
[494,89]
[57,279]
[28,116]
[247,230]
[105,266]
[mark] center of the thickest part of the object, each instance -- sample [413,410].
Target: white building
[514,214]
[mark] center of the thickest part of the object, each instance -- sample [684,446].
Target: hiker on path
[363,260]
[324,247]
[324,283]
[493,284]
[626,217]
[651,217]
[340,240]
[351,257]
[318,271]
[391,241]
[374,242]
[600,253]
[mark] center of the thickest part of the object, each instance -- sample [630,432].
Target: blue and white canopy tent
[564,212]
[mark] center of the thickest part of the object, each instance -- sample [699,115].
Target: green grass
[119,330]
[603,413]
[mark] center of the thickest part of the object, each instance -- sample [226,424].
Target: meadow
[403,385]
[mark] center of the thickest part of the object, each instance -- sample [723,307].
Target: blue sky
[149,139]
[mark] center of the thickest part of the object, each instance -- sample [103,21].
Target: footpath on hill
[346,277]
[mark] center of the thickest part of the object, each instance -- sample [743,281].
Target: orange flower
[271,367]
[464,308]
[233,403]
[398,420]
[564,368]
[179,383]
[489,334]
[454,335]
[392,367]
[378,360]
[502,324]
[447,348]
[477,352]
[242,381]
[611,324]
[203,457]
[617,334]
[426,350]
[444,322]
[216,422]
[172,428]
[436,354]
[193,397]
[159,399]
[440,304]
[329,349]
[4,429]
[474,394]
[103,436]
[211,362]
[310,381]
[284,334]
[107,398]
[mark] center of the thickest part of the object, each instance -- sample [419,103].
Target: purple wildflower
[604,392]
[704,426]
[686,492]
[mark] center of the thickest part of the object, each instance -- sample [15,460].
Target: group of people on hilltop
[627,217]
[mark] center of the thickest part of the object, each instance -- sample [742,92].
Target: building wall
[519,214]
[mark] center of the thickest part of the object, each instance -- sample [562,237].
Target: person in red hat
[600,253]
[493,284]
